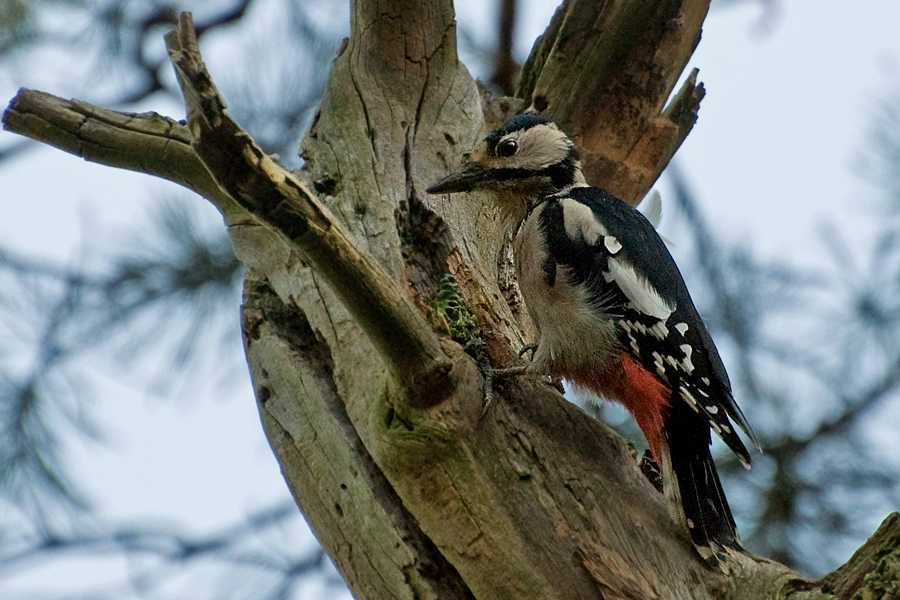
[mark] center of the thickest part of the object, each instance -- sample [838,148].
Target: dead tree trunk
[373,414]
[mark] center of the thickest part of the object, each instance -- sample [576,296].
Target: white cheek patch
[638,290]
[581,223]
[540,146]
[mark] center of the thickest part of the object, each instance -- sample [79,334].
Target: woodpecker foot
[651,471]
[510,371]
[532,347]
[555,381]
[476,348]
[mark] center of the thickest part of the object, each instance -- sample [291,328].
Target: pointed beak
[470,177]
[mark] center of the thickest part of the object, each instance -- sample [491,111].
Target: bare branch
[146,143]
[283,203]
[505,66]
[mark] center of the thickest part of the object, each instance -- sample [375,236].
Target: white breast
[574,331]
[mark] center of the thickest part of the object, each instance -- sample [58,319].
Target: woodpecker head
[529,156]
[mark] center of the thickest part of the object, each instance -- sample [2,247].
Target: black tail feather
[705,508]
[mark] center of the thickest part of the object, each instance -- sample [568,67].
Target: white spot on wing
[682,328]
[660,331]
[712,409]
[686,364]
[612,244]
[638,290]
[687,397]
[629,329]
[658,363]
[581,223]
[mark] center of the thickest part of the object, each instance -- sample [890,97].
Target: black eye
[507,148]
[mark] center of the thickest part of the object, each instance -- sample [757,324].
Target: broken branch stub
[280,201]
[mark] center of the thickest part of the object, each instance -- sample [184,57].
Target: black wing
[633,278]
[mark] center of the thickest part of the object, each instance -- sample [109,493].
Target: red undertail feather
[639,391]
[678,432]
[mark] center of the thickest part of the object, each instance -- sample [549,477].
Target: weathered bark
[376,420]
[873,572]
[608,91]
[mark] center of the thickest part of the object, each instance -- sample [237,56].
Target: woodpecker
[613,313]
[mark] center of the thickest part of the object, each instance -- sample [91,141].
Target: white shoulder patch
[581,223]
[638,290]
